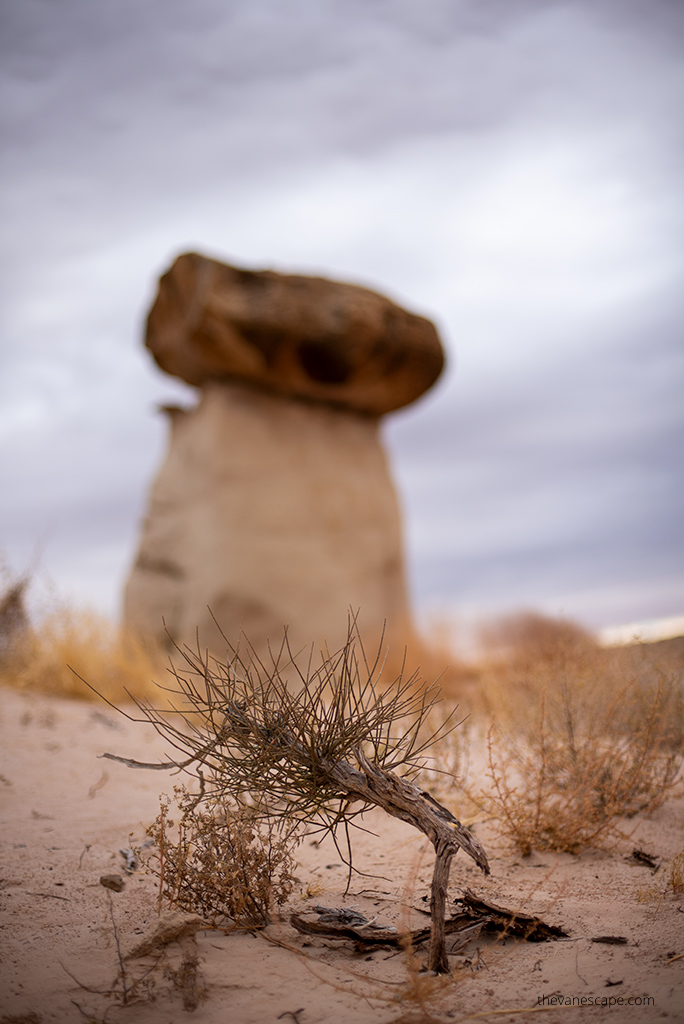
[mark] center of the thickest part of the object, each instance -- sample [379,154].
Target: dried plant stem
[162,848]
[122,966]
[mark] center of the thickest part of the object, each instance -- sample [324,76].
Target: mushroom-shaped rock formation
[275,506]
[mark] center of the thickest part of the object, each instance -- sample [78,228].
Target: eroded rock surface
[269,512]
[301,336]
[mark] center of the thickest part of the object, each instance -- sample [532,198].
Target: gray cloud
[513,169]
[522,495]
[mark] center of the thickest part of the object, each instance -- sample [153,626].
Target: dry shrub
[448,759]
[580,736]
[69,641]
[316,756]
[672,884]
[222,863]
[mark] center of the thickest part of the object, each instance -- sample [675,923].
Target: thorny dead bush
[314,751]
[254,739]
[580,737]
[218,862]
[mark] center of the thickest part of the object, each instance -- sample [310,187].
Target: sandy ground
[66,815]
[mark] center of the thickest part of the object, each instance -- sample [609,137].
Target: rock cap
[307,337]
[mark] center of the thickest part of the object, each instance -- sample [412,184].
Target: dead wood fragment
[611,940]
[463,927]
[347,916]
[362,931]
[509,922]
[350,924]
[648,860]
[131,860]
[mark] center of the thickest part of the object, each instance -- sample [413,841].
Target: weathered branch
[403,800]
[346,924]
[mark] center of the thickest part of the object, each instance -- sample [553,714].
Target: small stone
[113,882]
[173,926]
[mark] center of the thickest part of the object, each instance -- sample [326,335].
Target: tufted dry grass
[69,643]
[579,738]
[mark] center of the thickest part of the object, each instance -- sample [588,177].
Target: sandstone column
[275,504]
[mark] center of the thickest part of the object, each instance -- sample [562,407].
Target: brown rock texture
[302,336]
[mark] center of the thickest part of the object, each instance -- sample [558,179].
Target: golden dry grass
[70,643]
[671,883]
[579,737]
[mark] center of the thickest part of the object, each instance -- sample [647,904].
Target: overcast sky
[510,168]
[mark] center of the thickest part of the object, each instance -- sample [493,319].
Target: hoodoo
[275,506]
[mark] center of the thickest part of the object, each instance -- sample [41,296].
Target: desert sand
[66,815]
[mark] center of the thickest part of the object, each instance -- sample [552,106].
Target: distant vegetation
[49,656]
[578,737]
[570,740]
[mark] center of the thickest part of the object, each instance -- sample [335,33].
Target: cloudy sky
[510,168]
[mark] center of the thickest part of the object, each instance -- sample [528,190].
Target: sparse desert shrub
[219,861]
[655,672]
[544,798]
[68,643]
[314,755]
[671,885]
[532,639]
[579,738]
[587,688]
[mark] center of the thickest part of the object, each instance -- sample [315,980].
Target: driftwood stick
[366,934]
